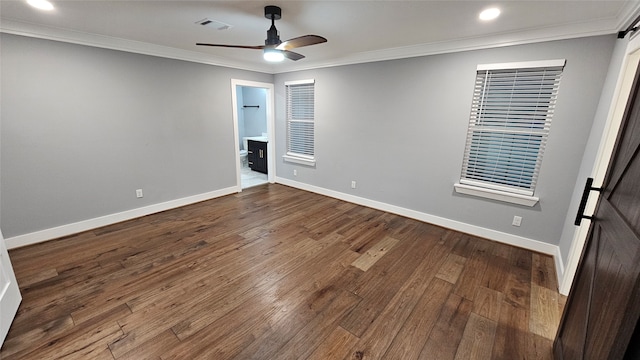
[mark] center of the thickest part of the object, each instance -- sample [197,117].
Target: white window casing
[300,112]
[511,112]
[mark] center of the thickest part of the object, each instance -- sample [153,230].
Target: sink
[254,138]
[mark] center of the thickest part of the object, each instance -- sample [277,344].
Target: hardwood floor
[278,273]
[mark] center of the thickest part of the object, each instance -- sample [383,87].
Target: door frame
[10,297]
[270,88]
[607,141]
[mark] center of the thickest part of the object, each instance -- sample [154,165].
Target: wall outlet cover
[517,220]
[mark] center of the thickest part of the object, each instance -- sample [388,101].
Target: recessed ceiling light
[41,4]
[489,14]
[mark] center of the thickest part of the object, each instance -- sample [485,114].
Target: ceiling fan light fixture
[273,55]
[489,14]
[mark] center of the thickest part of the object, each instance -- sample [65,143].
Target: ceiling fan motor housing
[273,39]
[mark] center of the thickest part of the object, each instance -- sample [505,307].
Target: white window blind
[300,118]
[509,124]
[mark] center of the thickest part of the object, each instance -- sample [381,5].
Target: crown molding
[627,14]
[15,27]
[527,36]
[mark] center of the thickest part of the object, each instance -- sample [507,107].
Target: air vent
[218,25]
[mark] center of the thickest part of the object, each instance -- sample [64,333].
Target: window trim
[299,159]
[495,191]
[291,157]
[499,195]
[522,65]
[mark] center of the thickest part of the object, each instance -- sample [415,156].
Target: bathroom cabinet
[257,156]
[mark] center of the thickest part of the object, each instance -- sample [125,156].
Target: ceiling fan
[275,49]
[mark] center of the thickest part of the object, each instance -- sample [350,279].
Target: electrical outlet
[517,220]
[353,184]
[139,193]
[295,172]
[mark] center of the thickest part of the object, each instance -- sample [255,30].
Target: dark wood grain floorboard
[279,273]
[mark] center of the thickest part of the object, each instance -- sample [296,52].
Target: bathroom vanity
[257,155]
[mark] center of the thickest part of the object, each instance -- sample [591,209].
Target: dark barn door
[604,305]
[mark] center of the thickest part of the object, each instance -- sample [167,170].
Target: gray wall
[398,128]
[84,127]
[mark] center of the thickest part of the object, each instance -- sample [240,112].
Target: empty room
[319,179]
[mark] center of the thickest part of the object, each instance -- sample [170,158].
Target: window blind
[300,119]
[510,118]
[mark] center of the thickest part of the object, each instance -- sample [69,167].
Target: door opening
[602,310]
[619,104]
[253,116]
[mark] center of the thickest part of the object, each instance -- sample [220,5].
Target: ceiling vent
[218,25]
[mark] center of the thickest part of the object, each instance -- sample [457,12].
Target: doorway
[253,118]
[602,310]
[625,81]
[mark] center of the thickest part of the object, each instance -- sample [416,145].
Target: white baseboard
[80,226]
[498,236]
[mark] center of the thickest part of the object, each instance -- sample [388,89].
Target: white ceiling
[357,31]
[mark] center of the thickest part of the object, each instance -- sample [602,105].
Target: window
[511,113]
[300,122]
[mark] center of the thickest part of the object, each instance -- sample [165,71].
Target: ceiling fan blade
[292,55]
[257,47]
[301,41]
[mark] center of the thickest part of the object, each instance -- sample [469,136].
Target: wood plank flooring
[278,273]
